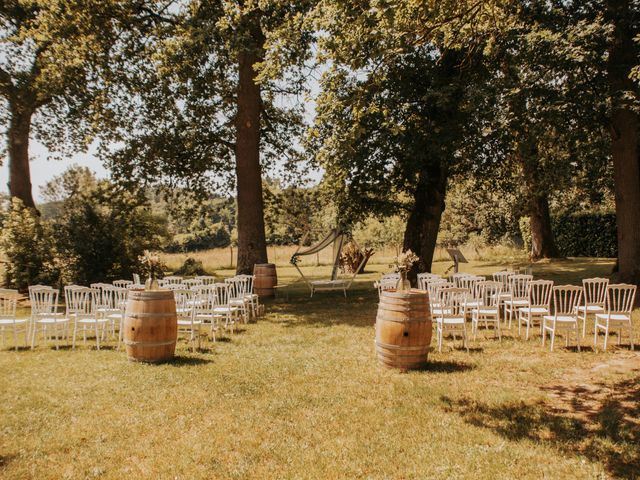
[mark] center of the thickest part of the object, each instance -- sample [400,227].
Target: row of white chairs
[511,295]
[100,309]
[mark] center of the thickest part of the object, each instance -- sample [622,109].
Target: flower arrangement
[404,261]
[150,265]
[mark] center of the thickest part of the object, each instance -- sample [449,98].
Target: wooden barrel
[150,325]
[265,279]
[403,329]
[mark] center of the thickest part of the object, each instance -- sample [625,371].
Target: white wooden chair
[595,297]
[223,309]
[112,306]
[425,278]
[383,285]
[203,305]
[8,320]
[455,277]
[565,315]
[187,320]
[238,288]
[83,311]
[519,291]
[172,280]
[45,316]
[123,283]
[618,307]
[435,290]
[503,276]
[250,296]
[538,305]
[470,284]
[206,279]
[451,315]
[488,308]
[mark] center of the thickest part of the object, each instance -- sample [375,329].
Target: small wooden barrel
[266,279]
[403,329]
[150,325]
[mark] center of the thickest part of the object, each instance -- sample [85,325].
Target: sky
[43,170]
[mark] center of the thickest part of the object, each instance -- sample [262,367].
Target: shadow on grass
[445,367]
[180,361]
[605,429]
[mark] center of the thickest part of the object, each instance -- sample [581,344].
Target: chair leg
[544,336]
[553,338]
[631,335]
[595,336]
[577,331]
[606,337]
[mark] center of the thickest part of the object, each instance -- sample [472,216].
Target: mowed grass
[299,395]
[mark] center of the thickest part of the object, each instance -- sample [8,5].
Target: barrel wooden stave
[403,329]
[266,278]
[150,326]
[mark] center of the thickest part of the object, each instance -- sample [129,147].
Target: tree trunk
[423,223]
[543,244]
[624,141]
[252,245]
[18,149]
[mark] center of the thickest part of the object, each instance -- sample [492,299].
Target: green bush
[29,249]
[191,268]
[580,234]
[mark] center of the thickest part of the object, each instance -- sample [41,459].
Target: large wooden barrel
[266,279]
[403,329]
[150,325]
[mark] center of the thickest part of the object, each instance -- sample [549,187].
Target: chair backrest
[134,286]
[620,298]
[435,290]
[203,298]
[382,285]
[390,276]
[123,283]
[425,278]
[171,280]
[454,276]
[191,282]
[503,277]
[173,286]
[240,286]
[468,282]
[519,286]
[454,301]
[80,300]
[206,279]
[595,291]
[566,298]
[185,304]
[222,293]
[540,293]
[249,282]
[488,292]
[8,303]
[43,299]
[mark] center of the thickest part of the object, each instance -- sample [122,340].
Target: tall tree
[55,57]
[624,17]
[212,115]
[394,110]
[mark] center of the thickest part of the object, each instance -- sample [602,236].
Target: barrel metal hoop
[398,347]
[134,343]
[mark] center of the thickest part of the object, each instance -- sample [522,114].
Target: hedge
[580,234]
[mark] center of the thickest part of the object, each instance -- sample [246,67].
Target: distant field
[225,258]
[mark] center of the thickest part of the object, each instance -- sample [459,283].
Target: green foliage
[191,268]
[104,230]
[580,234]
[29,248]
[375,233]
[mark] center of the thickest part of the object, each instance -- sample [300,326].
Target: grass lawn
[300,395]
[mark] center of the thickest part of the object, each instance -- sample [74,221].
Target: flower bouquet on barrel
[152,268]
[402,264]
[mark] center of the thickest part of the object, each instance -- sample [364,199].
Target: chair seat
[183,311]
[560,318]
[486,311]
[229,309]
[474,304]
[590,308]
[616,317]
[516,303]
[92,320]
[52,320]
[114,316]
[451,320]
[189,322]
[13,321]
[534,310]
[440,311]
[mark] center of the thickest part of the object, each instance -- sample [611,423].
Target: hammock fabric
[337,238]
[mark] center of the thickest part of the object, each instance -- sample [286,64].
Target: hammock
[336,238]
